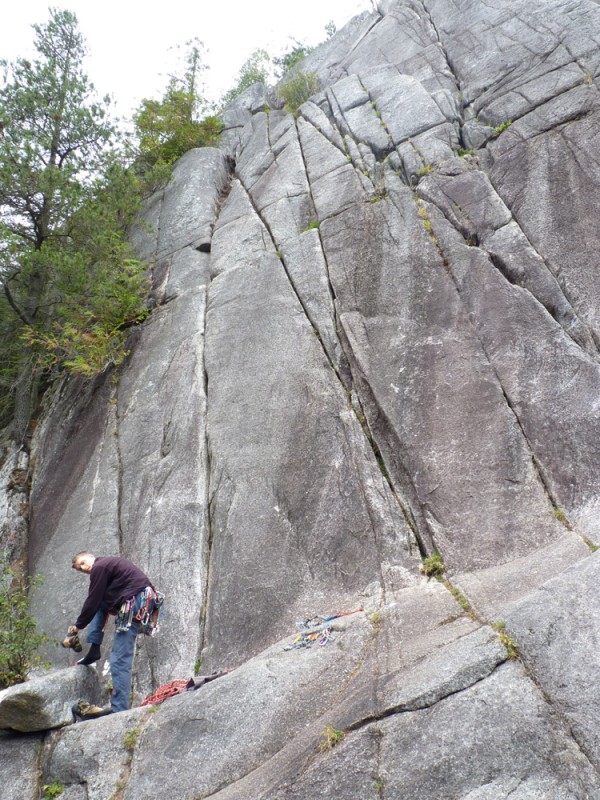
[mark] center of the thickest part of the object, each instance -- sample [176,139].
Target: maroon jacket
[113,580]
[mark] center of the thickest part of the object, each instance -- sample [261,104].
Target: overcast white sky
[129,40]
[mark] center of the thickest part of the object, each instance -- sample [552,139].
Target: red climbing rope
[164,692]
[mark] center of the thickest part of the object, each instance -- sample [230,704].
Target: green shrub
[298,89]
[330,737]
[256,69]
[433,565]
[501,128]
[311,226]
[19,639]
[509,643]
[52,790]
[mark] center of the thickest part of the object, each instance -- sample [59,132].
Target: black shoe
[92,656]
[82,710]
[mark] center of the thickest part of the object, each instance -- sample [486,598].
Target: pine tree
[63,255]
[166,129]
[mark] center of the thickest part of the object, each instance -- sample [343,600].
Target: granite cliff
[376,337]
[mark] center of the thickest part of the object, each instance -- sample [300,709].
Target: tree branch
[20,314]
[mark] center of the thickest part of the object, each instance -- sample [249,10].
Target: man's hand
[72,630]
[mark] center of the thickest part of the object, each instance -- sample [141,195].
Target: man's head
[83,562]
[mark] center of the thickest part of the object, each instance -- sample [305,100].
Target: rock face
[46,702]
[376,337]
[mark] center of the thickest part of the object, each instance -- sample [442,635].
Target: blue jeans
[121,657]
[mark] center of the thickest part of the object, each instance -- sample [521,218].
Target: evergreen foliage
[166,129]
[70,284]
[256,69]
[291,59]
[298,89]
[19,638]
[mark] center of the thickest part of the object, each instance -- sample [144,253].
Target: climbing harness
[145,612]
[316,629]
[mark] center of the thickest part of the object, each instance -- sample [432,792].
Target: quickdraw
[143,609]
[316,629]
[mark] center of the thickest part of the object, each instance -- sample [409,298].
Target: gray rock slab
[400,35]
[449,670]
[508,744]
[222,732]
[255,154]
[493,590]
[19,769]
[467,200]
[555,206]
[495,51]
[74,501]
[557,631]
[355,115]
[14,505]
[163,476]
[428,149]
[544,374]
[189,206]
[241,239]
[397,304]
[326,524]
[417,621]
[43,703]
[406,107]
[514,256]
[304,261]
[249,102]
[515,104]
[188,269]
[321,155]
[92,759]
[350,189]
[285,177]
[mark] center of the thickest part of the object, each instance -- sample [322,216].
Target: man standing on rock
[116,587]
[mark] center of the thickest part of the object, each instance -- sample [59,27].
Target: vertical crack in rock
[297,294]
[451,66]
[343,378]
[558,712]
[491,245]
[414,519]
[594,335]
[539,470]
[120,469]
[209,516]
[499,263]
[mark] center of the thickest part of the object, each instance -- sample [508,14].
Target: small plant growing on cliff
[501,128]
[433,565]
[330,737]
[19,638]
[312,225]
[52,790]
[130,740]
[560,516]
[298,89]
[425,170]
[509,644]
[460,598]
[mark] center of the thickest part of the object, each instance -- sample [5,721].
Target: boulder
[46,702]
